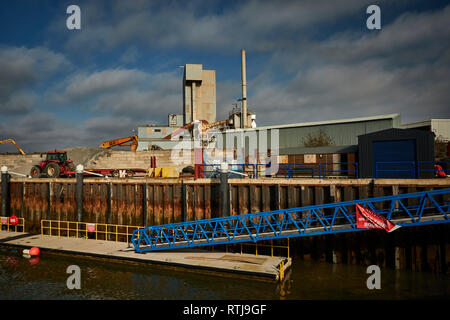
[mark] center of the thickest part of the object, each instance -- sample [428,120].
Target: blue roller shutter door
[396,159]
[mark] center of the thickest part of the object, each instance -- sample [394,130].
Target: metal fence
[383,169]
[352,169]
[86,230]
[411,169]
[440,168]
[7,226]
[212,170]
[395,169]
[286,170]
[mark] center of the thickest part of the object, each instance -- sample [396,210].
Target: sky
[306,61]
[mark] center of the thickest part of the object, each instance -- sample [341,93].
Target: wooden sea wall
[140,202]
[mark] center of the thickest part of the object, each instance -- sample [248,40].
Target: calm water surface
[45,278]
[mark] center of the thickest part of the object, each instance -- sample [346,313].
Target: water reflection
[45,277]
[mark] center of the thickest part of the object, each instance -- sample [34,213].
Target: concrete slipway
[247,265]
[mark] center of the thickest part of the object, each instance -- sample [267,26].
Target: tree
[319,139]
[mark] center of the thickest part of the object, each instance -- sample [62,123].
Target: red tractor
[55,165]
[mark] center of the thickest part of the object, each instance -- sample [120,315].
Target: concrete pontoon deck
[247,265]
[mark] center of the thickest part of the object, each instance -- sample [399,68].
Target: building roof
[397,132]
[319,123]
[423,123]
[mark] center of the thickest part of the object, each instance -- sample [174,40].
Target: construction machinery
[14,143]
[205,126]
[55,165]
[131,141]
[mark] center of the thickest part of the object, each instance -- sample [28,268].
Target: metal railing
[431,166]
[248,169]
[348,172]
[313,170]
[242,168]
[302,169]
[400,169]
[289,170]
[394,169]
[263,244]
[7,226]
[86,230]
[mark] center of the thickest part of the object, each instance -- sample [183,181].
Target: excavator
[14,143]
[121,142]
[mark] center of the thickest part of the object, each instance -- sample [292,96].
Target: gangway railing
[411,209]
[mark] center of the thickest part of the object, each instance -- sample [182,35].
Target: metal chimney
[244,92]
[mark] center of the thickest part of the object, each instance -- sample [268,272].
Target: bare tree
[320,139]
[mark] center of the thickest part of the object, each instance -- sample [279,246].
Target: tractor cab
[60,156]
[55,165]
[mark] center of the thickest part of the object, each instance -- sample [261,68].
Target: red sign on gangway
[367,219]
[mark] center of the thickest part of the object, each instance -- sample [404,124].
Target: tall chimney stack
[244,92]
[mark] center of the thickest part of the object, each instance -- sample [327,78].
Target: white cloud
[256,25]
[87,85]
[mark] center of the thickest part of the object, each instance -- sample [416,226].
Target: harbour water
[45,277]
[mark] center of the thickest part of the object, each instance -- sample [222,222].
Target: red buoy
[34,251]
[13,220]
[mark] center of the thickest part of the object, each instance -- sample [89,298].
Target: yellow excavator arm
[121,142]
[14,143]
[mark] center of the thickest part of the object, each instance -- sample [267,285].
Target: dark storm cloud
[40,132]
[349,73]
[404,69]
[20,70]
[315,67]
[142,96]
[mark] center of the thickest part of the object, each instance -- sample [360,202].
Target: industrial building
[396,153]
[199,104]
[325,142]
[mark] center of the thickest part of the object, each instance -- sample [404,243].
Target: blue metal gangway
[410,209]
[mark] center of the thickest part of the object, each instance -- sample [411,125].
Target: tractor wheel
[52,170]
[35,172]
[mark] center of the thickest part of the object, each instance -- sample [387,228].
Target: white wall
[441,127]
